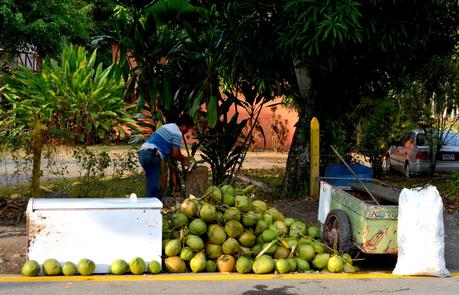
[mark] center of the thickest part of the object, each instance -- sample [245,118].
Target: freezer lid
[93,203]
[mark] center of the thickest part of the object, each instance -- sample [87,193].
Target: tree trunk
[37,148]
[296,179]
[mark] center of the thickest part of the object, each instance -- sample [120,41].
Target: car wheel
[387,166]
[337,232]
[407,170]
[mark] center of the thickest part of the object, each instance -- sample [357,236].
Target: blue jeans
[151,164]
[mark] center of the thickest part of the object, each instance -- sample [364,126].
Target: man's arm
[177,155]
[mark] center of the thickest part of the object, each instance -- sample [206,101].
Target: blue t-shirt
[165,138]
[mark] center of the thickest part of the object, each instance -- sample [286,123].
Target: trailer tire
[336,232]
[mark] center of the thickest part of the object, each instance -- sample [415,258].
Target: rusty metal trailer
[359,215]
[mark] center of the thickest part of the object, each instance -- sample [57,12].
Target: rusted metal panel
[98,229]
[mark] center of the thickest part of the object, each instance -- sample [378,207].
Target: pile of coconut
[230,230]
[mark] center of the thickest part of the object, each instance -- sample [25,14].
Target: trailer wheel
[336,232]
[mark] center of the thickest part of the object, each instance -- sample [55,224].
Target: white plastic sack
[324,201]
[421,246]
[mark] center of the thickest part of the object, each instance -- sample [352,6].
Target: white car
[411,154]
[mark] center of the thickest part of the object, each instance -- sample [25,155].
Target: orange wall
[287,117]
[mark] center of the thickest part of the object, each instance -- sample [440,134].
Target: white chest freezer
[102,230]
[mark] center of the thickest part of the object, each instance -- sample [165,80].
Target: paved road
[418,286]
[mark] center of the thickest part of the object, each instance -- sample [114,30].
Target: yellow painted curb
[204,277]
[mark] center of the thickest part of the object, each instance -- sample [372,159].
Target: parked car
[411,154]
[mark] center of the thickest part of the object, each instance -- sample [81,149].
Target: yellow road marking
[204,277]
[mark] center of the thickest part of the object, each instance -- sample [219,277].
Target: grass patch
[77,188]
[272,178]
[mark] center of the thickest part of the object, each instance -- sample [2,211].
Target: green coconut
[320,261]
[228,190]
[318,246]
[189,207]
[211,266]
[198,262]
[220,217]
[31,268]
[208,212]
[186,253]
[118,267]
[243,203]
[86,266]
[231,246]
[305,240]
[256,249]
[281,252]
[261,226]
[263,264]
[213,251]
[292,263]
[297,228]
[282,266]
[179,220]
[229,195]
[268,235]
[306,252]
[173,247]
[234,228]
[250,218]
[229,200]
[232,214]
[347,258]
[245,251]
[197,227]
[194,242]
[291,242]
[154,267]
[216,234]
[137,265]
[313,232]
[275,214]
[243,265]
[281,227]
[349,268]
[260,239]
[69,269]
[271,248]
[51,267]
[268,218]
[247,238]
[175,264]
[335,264]
[302,265]
[259,206]
[164,243]
[214,193]
[289,221]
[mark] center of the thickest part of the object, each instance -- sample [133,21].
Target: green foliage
[150,38]
[71,101]
[68,102]
[314,28]
[46,25]
[219,146]
[378,129]
[97,164]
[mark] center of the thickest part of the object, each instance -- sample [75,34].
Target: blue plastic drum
[341,171]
